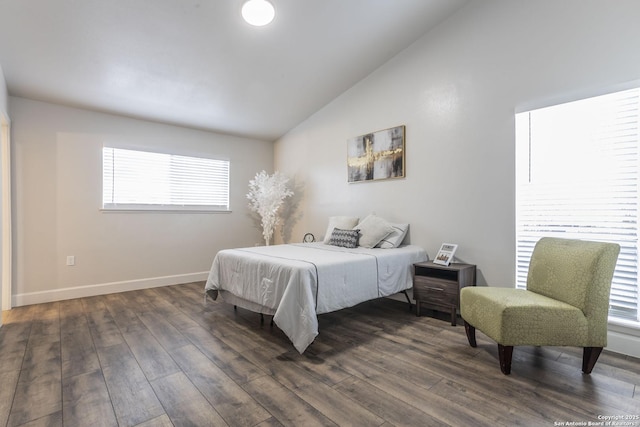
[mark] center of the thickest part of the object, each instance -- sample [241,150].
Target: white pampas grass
[266,195]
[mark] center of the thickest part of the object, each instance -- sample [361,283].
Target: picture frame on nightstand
[445,254]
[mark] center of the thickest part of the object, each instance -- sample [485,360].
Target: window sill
[171,210]
[625,326]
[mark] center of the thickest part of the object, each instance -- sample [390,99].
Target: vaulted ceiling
[196,63]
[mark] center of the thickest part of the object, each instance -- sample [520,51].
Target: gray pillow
[344,238]
[344,222]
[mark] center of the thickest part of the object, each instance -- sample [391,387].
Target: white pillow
[372,230]
[343,222]
[396,237]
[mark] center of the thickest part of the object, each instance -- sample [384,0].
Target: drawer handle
[437,289]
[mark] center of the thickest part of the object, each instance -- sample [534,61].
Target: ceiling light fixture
[258,12]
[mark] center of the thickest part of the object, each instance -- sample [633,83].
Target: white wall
[57,185]
[456,90]
[4,117]
[4,97]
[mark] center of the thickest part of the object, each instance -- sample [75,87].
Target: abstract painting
[377,155]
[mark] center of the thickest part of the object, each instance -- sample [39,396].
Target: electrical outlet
[71,260]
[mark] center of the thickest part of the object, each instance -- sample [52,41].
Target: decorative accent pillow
[396,237]
[344,238]
[343,222]
[372,230]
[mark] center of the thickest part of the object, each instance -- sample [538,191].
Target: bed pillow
[395,238]
[372,230]
[343,222]
[344,238]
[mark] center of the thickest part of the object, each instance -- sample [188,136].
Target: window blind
[577,177]
[158,181]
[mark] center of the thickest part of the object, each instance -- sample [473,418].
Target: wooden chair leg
[471,334]
[505,352]
[589,358]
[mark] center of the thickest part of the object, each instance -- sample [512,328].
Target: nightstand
[437,287]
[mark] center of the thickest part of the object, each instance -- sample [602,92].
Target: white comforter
[298,281]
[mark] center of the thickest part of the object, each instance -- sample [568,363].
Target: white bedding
[296,282]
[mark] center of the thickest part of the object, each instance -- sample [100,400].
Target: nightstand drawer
[436,291]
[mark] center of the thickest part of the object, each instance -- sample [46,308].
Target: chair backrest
[577,272]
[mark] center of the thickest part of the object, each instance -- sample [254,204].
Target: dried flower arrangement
[266,195]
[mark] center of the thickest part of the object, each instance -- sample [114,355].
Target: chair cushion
[518,317]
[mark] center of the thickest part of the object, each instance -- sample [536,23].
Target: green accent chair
[566,302]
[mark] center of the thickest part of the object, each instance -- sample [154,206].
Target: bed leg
[235,308]
[261,319]
[408,299]
[212,293]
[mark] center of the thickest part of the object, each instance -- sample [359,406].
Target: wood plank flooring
[162,357]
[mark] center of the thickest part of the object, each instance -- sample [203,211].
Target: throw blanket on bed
[299,281]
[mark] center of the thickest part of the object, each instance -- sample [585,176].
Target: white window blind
[577,168]
[134,180]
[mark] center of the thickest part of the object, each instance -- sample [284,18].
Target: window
[577,168]
[140,180]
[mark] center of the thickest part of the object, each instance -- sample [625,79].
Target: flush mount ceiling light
[258,12]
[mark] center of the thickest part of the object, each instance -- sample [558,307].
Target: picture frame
[445,254]
[376,156]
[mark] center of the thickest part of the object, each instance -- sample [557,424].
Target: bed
[297,282]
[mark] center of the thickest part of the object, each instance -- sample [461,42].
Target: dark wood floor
[161,357]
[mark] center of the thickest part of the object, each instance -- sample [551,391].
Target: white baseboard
[105,288]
